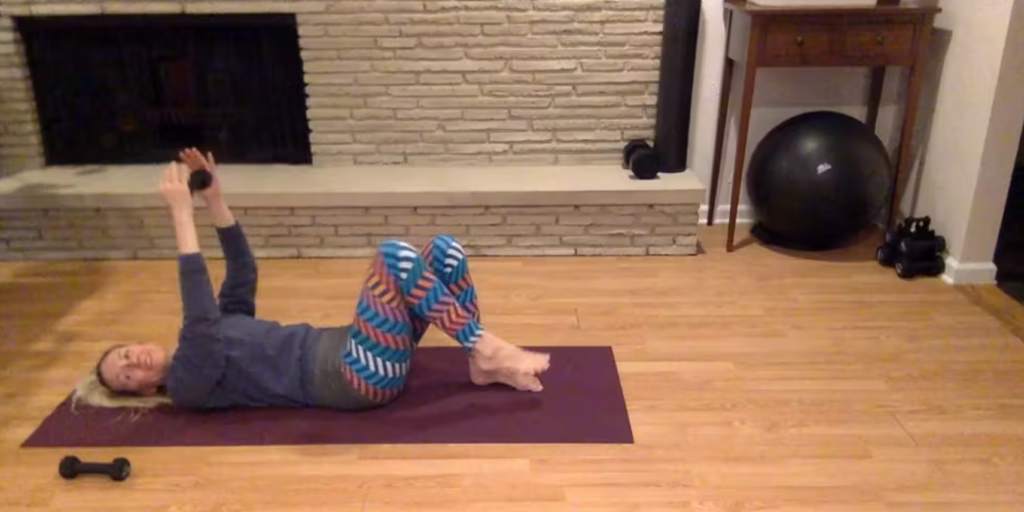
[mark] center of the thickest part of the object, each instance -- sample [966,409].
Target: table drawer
[795,44]
[890,42]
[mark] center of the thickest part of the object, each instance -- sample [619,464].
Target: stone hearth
[309,212]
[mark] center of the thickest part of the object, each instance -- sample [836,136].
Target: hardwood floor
[755,381]
[994,300]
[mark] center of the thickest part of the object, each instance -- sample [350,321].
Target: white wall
[1001,146]
[708,79]
[972,144]
[967,132]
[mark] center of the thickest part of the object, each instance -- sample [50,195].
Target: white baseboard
[956,273]
[745,214]
[968,273]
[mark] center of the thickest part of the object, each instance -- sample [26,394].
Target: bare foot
[496,360]
[517,380]
[493,353]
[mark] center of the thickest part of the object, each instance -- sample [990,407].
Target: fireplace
[136,89]
[345,84]
[503,121]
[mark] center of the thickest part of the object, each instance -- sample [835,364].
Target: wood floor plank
[759,380]
[1008,311]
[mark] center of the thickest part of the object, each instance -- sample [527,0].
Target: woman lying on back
[227,357]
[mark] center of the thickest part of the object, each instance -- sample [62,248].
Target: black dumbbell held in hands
[639,157]
[199,179]
[118,470]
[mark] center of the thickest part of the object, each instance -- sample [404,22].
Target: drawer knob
[799,40]
[881,39]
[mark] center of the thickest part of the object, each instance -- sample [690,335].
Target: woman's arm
[238,291]
[220,213]
[185,230]
[197,367]
[196,292]
[199,360]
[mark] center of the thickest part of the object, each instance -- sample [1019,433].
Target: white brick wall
[20,138]
[354,232]
[429,81]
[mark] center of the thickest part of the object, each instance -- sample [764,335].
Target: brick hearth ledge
[114,212]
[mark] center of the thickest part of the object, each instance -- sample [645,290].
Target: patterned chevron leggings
[405,292]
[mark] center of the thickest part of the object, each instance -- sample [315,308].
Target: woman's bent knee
[393,246]
[449,243]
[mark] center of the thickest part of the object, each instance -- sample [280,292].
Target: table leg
[723,111]
[909,118]
[875,96]
[749,80]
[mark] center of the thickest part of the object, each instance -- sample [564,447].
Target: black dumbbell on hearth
[118,470]
[639,157]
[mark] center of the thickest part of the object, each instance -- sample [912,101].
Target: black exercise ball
[817,180]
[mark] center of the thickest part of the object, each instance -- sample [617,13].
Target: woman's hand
[174,188]
[218,208]
[196,161]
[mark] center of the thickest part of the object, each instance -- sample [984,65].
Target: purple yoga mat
[582,402]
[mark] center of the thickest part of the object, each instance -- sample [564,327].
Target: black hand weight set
[913,249]
[199,179]
[118,470]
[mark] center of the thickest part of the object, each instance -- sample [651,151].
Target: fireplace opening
[136,89]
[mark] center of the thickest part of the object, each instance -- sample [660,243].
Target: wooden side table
[873,37]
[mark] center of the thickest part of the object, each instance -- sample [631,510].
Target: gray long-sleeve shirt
[228,358]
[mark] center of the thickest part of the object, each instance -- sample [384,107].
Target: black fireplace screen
[124,89]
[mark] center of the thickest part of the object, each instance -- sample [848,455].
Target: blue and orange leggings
[406,291]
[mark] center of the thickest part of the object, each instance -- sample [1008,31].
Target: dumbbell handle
[96,467]
[923,247]
[199,179]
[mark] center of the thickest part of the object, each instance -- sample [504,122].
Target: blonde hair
[92,392]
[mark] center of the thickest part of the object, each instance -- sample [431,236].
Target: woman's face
[139,369]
